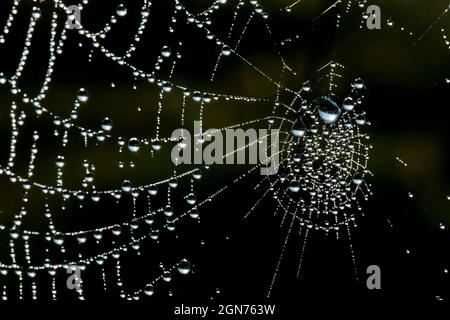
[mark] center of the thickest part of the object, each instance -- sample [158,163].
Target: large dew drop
[328,110]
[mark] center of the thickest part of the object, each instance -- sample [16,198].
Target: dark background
[407,101]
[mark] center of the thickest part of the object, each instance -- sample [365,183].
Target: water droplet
[2,78]
[107,124]
[152,190]
[134,145]
[191,199]
[167,276]
[60,162]
[173,183]
[126,186]
[166,52]
[360,119]
[197,174]
[168,211]
[58,239]
[358,84]
[156,145]
[298,129]
[167,87]
[328,110]
[226,50]
[145,12]
[116,230]
[121,10]
[149,290]
[294,186]
[306,87]
[348,104]
[82,95]
[194,213]
[357,178]
[36,13]
[184,267]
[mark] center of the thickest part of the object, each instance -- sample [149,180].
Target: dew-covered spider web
[87,176]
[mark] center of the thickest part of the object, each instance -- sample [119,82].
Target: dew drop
[173,183]
[194,213]
[358,84]
[36,13]
[152,190]
[149,290]
[357,178]
[145,12]
[168,211]
[184,267]
[134,145]
[197,174]
[298,129]
[60,162]
[167,276]
[226,50]
[191,199]
[126,186]
[360,119]
[166,52]
[82,95]
[294,186]
[156,145]
[167,87]
[348,104]
[121,10]
[306,87]
[58,239]
[2,78]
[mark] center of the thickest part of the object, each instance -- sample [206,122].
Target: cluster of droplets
[324,162]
